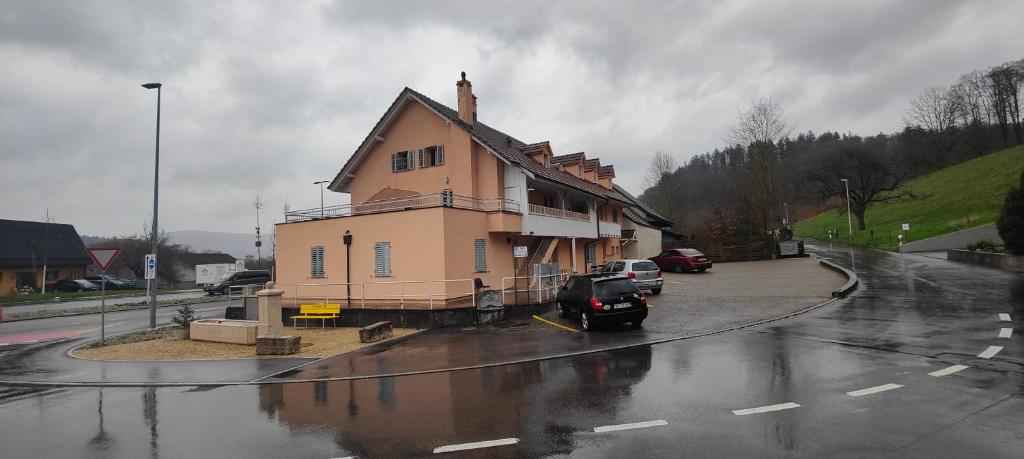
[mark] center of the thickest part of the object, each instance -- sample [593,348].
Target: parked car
[239,278]
[74,285]
[680,260]
[601,299]
[113,282]
[644,273]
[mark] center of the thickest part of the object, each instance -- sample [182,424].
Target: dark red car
[680,260]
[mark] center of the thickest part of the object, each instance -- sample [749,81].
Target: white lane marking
[991,351]
[475,445]
[632,425]
[1005,332]
[346,457]
[948,370]
[765,409]
[1004,317]
[874,390]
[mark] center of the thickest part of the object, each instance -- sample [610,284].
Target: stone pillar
[269,301]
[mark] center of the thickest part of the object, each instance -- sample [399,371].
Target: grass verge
[958,197]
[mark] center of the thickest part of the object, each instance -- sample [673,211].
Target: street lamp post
[849,218]
[321,183]
[156,189]
[785,208]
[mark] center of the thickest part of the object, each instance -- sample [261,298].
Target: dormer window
[401,161]
[431,156]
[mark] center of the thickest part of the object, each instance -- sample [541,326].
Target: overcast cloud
[270,96]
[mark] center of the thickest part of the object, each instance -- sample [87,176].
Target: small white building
[642,228]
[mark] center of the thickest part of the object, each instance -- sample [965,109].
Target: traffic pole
[103,308]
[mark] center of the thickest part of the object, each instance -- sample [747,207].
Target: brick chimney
[467,101]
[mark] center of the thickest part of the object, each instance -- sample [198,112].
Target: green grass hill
[958,197]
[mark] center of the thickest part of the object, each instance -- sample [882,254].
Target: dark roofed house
[644,231]
[33,251]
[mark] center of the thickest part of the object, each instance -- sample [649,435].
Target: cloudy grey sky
[270,96]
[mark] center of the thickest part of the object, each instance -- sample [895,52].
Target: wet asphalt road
[852,376]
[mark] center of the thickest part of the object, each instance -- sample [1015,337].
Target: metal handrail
[404,203]
[401,296]
[543,294]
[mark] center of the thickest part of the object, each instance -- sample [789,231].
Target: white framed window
[402,161]
[316,262]
[480,255]
[431,156]
[382,259]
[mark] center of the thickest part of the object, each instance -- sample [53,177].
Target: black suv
[237,279]
[601,298]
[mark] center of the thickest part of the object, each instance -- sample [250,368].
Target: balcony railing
[558,213]
[406,203]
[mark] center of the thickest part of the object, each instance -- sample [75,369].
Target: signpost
[104,257]
[519,251]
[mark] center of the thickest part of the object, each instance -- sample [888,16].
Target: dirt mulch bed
[160,345]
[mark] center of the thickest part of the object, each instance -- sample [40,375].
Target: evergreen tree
[1011,220]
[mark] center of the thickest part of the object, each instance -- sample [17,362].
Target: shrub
[186,314]
[983,245]
[1011,219]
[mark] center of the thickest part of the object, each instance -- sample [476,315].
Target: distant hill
[966,195]
[237,244]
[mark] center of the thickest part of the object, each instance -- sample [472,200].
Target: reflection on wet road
[893,370]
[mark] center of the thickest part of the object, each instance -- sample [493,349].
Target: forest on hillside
[766,172]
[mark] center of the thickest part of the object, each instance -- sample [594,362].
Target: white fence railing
[358,293]
[405,203]
[558,213]
[539,288]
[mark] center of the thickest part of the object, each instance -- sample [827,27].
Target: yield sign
[103,257]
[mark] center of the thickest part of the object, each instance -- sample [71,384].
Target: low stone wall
[995,260]
[417,318]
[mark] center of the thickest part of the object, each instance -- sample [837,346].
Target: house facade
[32,253]
[440,199]
[644,230]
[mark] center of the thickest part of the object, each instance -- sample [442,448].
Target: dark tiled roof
[535,148]
[567,159]
[592,163]
[34,243]
[606,171]
[641,212]
[193,259]
[508,147]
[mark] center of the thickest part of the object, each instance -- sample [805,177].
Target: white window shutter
[378,260]
[394,162]
[421,158]
[387,258]
[412,157]
[439,155]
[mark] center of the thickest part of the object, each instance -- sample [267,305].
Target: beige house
[440,199]
[643,229]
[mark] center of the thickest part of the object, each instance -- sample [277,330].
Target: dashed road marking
[948,370]
[1005,332]
[766,409]
[990,351]
[632,425]
[555,324]
[1004,317]
[476,445]
[874,390]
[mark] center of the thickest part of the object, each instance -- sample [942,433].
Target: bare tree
[656,179]
[873,174]
[933,114]
[758,129]
[764,122]
[258,204]
[1007,81]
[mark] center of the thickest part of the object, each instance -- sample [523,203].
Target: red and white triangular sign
[103,257]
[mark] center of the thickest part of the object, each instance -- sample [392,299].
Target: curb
[260,381]
[92,297]
[851,283]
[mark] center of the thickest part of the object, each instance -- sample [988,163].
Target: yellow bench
[318,311]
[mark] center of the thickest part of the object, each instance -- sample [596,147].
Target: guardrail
[544,292]
[405,203]
[558,213]
[360,292]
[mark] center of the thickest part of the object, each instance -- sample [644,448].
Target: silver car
[644,273]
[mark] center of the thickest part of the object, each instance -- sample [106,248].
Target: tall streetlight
[785,208]
[849,218]
[156,189]
[321,183]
